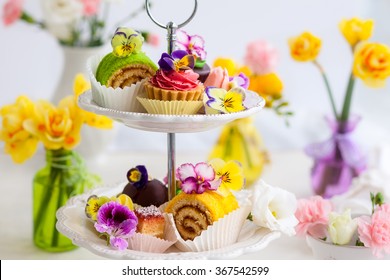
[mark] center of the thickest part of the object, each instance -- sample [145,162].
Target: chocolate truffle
[143,191]
[203,72]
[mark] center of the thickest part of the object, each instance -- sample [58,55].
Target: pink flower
[312,215]
[12,11]
[192,44]
[91,7]
[261,57]
[198,178]
[153,39]
[375,232]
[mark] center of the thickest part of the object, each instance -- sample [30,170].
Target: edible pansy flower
[240,80]
[219,100]
[192,44]
[138,176]
[198,178]
[230,173]
[117,223]
[93,205]
[178,61]
[126,41]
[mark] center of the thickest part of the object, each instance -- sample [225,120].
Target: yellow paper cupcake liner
[175,107]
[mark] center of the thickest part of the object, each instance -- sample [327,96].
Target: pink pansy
[261,57]
[375,232]
[12,11]
[198,178]
[312,215]
[192,44]
[91,7]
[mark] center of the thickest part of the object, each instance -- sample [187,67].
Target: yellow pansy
[57,127]
[227,63]
[304,47]
[355,30]
[80,86]
[19,143]
[231,173]
[372,63]
[269,86]
[93,205]
[125,200]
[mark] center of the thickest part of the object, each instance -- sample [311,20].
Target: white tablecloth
[289,170]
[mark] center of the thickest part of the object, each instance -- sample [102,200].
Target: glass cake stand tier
[73,223]
[172,123]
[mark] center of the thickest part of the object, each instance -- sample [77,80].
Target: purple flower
[179,60]
[118,222]
[240,80]
[192,44]
[138,176]
[198,178]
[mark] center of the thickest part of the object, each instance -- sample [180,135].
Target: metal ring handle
[147,7]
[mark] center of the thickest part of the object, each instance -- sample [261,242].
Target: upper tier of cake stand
[172,123]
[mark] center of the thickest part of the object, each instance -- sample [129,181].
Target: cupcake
[175,88]
[117,77]
[195,45]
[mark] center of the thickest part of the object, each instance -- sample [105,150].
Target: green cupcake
[126,64]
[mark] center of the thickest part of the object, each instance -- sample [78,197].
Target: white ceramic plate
[172,123]
[73,223]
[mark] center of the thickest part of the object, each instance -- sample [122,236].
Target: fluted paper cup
[175,107]
[151,244]
[121,99]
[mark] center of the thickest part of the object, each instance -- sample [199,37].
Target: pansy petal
[233,101]
[185,63]
[189,185]
[205,171]
[218,164]
[182,37]
[197,41]
[203,187]
[179,54]
[166,63]
[186,170]
[214,185]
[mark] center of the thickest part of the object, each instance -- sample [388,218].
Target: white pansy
[274,208]
[341,227]
[61,16]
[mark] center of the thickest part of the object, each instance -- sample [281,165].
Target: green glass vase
[64,176]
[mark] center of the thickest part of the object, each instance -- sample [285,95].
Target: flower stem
[348,98]
[329,90]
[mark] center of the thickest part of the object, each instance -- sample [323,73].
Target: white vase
[94,142]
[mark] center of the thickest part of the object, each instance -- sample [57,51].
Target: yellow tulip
[227,63]
[372,63]
[304,47]
[355,30]
[80,86]
[269,86]
[57,127]
[19,143]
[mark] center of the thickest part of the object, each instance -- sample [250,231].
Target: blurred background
[31,62]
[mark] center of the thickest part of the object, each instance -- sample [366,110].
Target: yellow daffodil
[57,127]
[355,30]
[231,173]
[19,143]
[93,204]
[372,63]
[227,63]
[304,47]
[80,86]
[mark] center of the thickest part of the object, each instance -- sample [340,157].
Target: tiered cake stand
[72,221]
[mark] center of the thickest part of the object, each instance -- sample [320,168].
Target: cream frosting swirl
[172,80]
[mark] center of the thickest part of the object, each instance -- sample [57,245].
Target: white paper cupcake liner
[175,107]
[221,233]
[151,244]
[118,99]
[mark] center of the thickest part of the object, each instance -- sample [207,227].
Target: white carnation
[274,208]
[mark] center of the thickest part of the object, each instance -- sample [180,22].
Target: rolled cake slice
[193,213]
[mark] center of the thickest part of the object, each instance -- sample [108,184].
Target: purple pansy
[198,178]
[240,80]
[192,44]
[138,176]
[117,222]
[178,60]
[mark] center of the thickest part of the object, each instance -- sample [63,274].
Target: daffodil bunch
[371,61]
[26,123]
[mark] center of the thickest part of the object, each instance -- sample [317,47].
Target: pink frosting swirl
[172,80]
